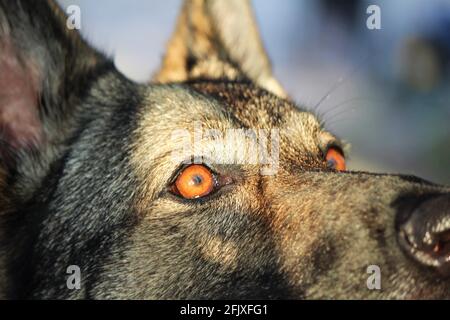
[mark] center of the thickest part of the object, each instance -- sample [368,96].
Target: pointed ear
[44,69]
[217,39]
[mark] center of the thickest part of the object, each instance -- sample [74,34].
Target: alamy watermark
[73,281]
[229,146]
[374,280]
[373,22]
[73,21]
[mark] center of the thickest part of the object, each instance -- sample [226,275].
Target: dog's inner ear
[217,39]
[43,68]
[19,98]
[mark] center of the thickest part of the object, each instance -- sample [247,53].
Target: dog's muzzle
[423,230]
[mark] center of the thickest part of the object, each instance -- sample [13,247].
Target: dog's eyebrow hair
[233,145]
[336,142]
[333,140]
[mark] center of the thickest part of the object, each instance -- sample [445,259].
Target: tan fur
[204,37]
[222,252]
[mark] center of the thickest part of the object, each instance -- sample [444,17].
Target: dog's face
[216,186]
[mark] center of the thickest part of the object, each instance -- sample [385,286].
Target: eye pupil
[331,163]
[197,180]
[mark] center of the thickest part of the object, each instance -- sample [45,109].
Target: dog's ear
[45,67]
[217,39]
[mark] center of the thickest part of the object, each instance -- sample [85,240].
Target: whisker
[328,93]
[339,83]
[341,104]
[337,120]
[336,116]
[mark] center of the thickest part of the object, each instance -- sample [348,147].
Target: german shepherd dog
[93,177]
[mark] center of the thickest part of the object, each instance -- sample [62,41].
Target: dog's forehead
[253,106]
[256,108]
[224,105]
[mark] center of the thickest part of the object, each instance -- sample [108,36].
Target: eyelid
[327,140]
[188,162]
[336,144]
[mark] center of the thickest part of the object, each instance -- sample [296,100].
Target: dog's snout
[423,230]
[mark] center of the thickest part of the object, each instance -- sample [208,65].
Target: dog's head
[208,183]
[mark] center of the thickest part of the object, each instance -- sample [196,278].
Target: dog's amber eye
[194,182]
[335,159]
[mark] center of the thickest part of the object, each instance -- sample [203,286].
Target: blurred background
[386,92]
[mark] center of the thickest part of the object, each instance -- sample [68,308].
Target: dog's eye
[335,159]
[194,181]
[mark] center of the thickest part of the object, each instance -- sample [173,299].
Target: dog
[109,178]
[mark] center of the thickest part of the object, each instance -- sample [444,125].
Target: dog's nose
[423,227]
